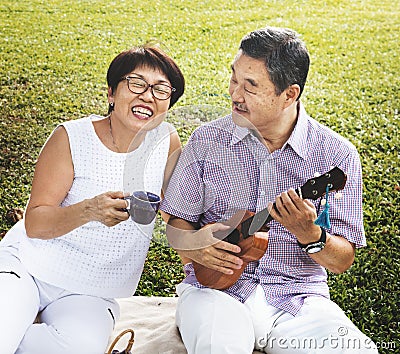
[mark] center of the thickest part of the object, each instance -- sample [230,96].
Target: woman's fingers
[109,208]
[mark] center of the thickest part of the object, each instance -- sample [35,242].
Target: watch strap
[314,245]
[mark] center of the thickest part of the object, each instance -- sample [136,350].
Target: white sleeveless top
[95,259]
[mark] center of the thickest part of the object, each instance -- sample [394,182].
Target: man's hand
[202,247]
[297,216]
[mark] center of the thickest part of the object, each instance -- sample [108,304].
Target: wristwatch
[314,247]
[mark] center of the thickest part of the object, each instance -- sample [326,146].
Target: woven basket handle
[130,343]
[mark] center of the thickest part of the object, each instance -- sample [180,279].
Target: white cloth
[212,322]
[153,320]
[95,259]
[70,323]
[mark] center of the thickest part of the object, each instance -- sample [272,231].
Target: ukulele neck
[260,219]
[314,188]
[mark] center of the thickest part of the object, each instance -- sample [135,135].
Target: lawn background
[54,57]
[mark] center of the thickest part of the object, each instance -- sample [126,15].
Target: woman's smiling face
[135,110]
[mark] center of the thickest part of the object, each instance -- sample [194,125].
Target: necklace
[112,136]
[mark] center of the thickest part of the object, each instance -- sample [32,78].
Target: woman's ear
[110,94]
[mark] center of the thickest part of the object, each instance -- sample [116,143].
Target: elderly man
[253,160]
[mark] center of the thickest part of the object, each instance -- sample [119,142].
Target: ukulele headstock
[315,188]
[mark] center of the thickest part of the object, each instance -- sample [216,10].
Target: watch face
[315,247]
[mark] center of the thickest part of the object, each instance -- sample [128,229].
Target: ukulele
[253,247]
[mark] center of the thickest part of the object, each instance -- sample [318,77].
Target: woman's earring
[110,107]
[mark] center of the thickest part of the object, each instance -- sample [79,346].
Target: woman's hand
[107,208]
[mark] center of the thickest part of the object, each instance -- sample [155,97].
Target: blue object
[323,218]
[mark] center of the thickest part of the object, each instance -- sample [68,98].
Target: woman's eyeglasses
[138,85]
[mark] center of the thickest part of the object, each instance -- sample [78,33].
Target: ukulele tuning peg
[323,202]
[317,174]
[338,195]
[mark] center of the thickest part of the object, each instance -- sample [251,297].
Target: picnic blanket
[153,320]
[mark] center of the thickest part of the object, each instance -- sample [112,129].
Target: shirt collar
[239,133]
[297,139]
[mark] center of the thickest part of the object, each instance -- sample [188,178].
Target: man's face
[253,94]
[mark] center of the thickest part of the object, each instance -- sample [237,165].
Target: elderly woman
[77,249]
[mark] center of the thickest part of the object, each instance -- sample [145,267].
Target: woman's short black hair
[146,56]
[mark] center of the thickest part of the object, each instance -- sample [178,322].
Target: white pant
[212,322]
[70,323]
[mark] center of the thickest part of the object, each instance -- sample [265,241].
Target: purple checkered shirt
[225,168]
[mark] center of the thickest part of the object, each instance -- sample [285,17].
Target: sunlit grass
[54,57]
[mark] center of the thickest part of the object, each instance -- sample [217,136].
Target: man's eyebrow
[252,82]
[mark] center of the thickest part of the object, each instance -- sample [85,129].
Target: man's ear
[292,93]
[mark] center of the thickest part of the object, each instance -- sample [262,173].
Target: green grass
[54,57]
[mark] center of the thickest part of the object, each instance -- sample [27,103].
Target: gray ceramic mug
[143,206]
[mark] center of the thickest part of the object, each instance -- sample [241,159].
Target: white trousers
[70,323]
[212,322]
